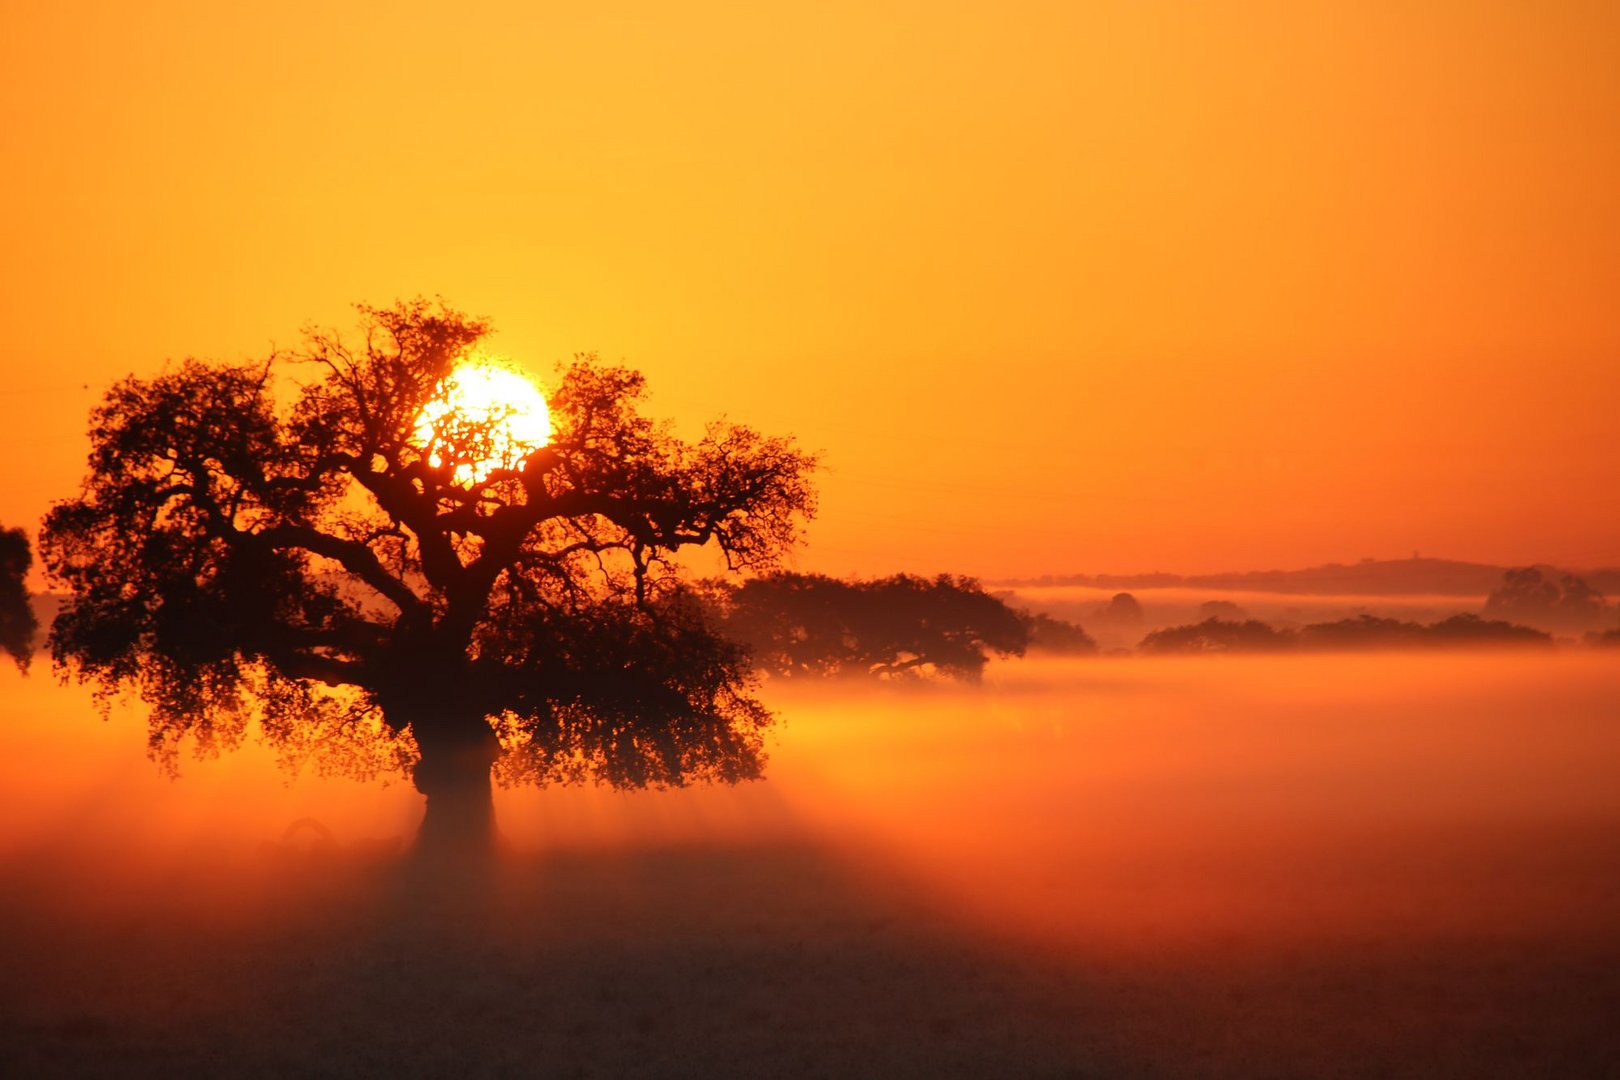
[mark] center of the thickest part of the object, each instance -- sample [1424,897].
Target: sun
[487,415]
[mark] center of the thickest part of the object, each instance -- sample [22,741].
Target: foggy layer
[1124,865]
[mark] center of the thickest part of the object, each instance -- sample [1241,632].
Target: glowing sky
[1056,287]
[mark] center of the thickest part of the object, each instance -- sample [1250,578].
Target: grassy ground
[762,961]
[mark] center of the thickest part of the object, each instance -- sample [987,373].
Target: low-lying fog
[1329,865]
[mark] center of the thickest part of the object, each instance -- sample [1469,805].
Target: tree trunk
[454,775]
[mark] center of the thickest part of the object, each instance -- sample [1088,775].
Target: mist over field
[1338,865]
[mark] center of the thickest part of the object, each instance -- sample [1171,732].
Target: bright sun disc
[486,416]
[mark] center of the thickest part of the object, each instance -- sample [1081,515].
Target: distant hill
[1369,577]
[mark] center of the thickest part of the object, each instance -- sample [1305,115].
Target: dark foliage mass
[1548,598]
[1218,635]
[17,622]
[1222,609]
[270,540]
[1057,637]
[1473,630]
[1363,632]
[1122,609]
[814,625]
[1360,632]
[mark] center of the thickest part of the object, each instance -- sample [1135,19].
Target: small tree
[383,593]
[17,622]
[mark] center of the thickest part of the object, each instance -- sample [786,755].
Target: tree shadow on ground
[777,959]
[754,961]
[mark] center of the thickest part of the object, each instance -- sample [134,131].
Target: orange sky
[1056,287]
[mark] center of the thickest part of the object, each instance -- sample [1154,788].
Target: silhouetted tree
[1218,635]
[1564,602]
[1122,609]
[308,561]
[1222,609]
[1048,634]
[1363,632]
[811,624]
[1118,623]
[17,622]
[1471,630]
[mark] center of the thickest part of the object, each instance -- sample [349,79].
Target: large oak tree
[273,542]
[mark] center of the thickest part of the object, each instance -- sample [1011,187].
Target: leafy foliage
[811,624]
[17,622]
[268,541]
[1057,637]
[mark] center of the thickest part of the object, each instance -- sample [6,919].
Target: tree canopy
[902,625]
[17,622]
[1547,598]
[278,540]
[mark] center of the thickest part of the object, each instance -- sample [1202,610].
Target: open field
[1330,866]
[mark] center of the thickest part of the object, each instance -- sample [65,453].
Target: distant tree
[1471,630]
[814,625]
[1581,604]
[1122,609]
[1363,632]
[1116,624]
[348,563]
[1219,635]
[1055,636]
[1561,601]
[1222,609]
[17,622]
[1523,590]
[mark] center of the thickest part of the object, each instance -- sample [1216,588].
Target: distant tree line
[1359,632]
[904,626]
[907,626]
